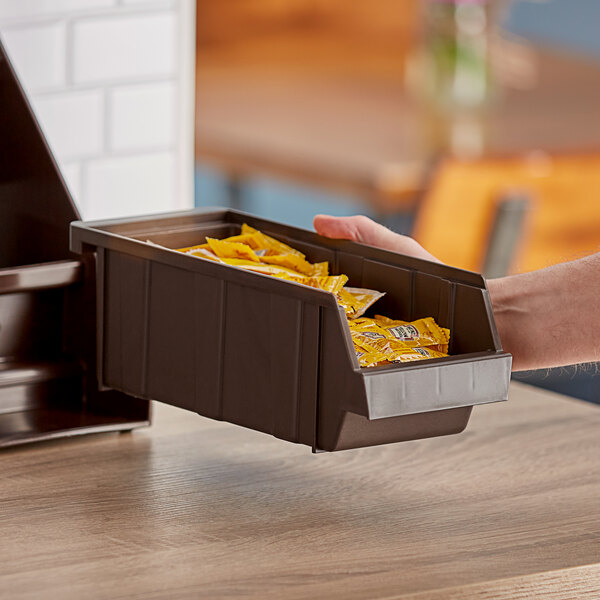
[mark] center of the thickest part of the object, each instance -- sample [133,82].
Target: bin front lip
[373,410]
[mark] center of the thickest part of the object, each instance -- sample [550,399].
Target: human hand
[362,229]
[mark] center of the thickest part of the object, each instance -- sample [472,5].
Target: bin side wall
[340,386]
[206,345]
[263,386]
[412,295]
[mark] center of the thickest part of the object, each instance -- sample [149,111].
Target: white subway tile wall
[132,108]
[73,122]
[39,54]
[124,48]
[112,84]
[30,9]
[117,184]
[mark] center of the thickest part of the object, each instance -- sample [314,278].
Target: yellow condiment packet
[274,245]
[256,240]
[387,346]
[225,249]
[392,350]
[356,301]
[397,351]
[189,249]
[370,359]
[443,348]
[291,261]
[203,253]
[320,269]
[423,332]
[383,349]
[368,356]
[331,283]
[376,333]
[369,328]
[260,268]
[429,352]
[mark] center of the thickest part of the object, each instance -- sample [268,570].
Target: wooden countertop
[194,508]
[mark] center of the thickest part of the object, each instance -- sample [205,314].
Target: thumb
[362,229]
[345,228]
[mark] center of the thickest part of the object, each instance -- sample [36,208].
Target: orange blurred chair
[512,214]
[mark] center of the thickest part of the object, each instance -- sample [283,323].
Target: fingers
[362,229]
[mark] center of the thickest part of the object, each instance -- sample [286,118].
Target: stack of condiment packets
[377,341]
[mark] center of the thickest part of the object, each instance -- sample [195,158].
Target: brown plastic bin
[277,356]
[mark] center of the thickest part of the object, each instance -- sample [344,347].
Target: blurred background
[473,125]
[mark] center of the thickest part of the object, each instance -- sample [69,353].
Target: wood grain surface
[566,584]
[192,508]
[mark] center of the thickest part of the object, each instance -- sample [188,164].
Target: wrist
[498,298]
[512,319]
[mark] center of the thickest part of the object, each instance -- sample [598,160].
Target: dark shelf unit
[48,383]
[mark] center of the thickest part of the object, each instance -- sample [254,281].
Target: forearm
[550,317]
[545,318]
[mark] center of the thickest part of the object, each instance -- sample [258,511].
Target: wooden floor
[192,508]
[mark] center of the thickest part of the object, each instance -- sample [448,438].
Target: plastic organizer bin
[276,356]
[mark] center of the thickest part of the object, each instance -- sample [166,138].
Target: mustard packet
[392,350]
[274,246]
[422,332]
[356,301]
[290,261]
[367,355]
[330,283]
[224,249]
